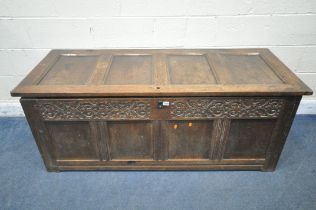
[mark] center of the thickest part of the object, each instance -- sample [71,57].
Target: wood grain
[219,139]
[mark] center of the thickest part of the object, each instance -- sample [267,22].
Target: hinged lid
[198,72]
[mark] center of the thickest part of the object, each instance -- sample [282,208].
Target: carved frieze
[226,108]
[195,108]
[96,109]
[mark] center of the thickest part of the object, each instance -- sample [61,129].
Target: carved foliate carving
[226,108]
[93,109]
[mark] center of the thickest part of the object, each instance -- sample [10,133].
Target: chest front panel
[157,133]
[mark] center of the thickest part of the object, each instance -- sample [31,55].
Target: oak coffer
[199,109]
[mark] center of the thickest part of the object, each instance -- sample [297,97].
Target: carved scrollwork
[93,109]
[226,108]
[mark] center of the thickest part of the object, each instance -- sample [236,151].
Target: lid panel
[190,69]
[247,69]
[70,70]
[130,69]
[160,72]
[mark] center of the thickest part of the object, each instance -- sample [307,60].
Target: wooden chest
[160,109]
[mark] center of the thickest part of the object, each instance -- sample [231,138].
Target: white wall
[30,28]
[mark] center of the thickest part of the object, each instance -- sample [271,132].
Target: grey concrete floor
[25,184]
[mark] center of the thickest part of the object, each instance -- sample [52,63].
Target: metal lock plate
[162,104]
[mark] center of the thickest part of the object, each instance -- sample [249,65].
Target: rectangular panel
[249,138]
[130,140]
[130,69]
[190,69]
[246,69]
[73,141]
[70,70]
[187,139]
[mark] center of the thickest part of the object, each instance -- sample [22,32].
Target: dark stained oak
[76,147]
[137,109]
[131,140]
[187,139]
[248,138]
